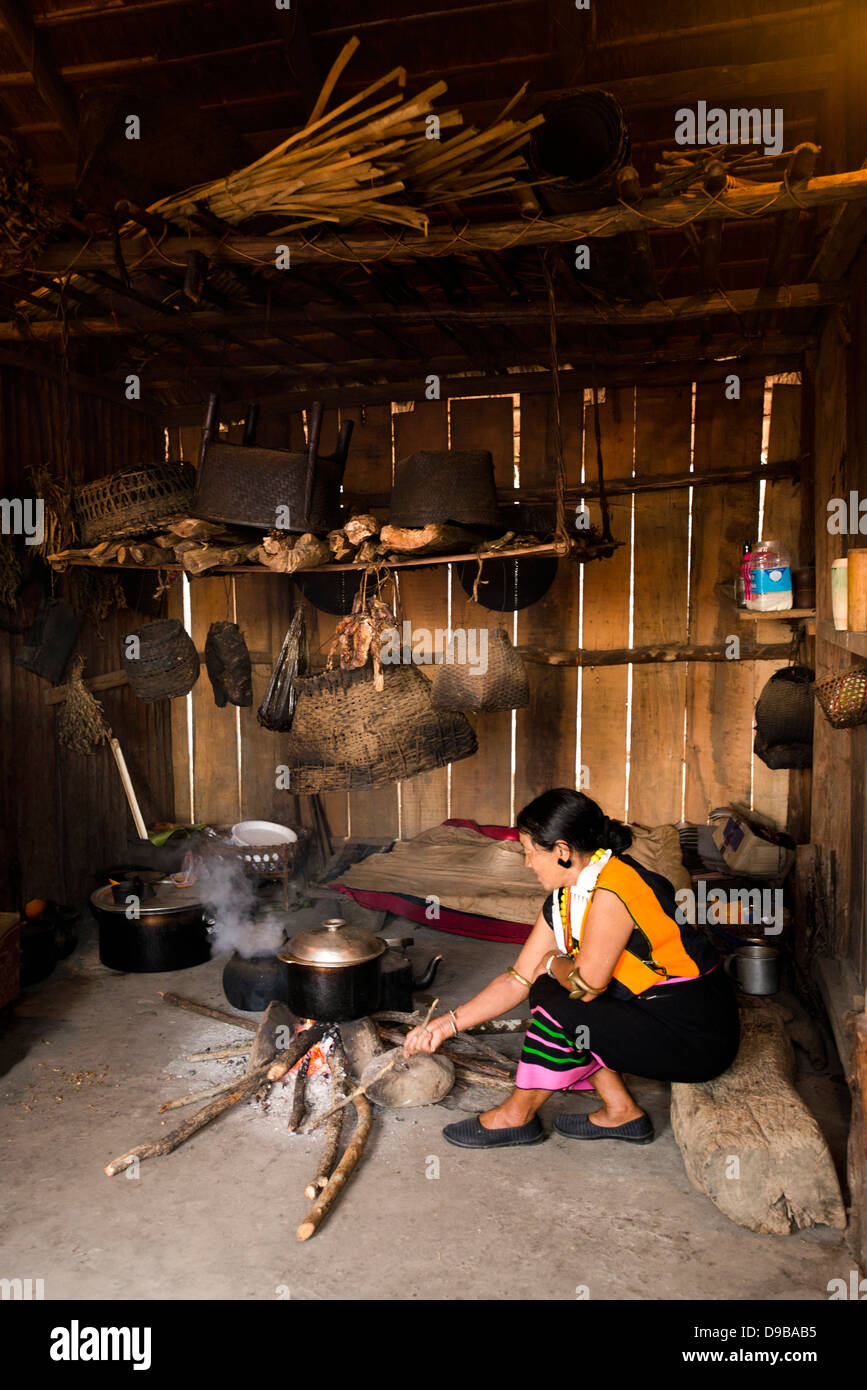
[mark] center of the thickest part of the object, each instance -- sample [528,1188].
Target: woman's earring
[565,863]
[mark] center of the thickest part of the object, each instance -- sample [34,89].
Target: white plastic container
[840,594]
[770,578]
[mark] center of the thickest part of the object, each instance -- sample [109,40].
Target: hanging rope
[562,539]
[600,472]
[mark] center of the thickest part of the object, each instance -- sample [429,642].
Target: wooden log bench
[750,1143]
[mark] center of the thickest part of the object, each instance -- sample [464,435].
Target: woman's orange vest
[664,951]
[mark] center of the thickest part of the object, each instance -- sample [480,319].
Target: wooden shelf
[782,615]
[411,562]
[850,641]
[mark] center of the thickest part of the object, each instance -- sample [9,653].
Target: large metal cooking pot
[165,931]
[334,971]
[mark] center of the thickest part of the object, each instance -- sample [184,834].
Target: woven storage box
[454,485]
[347,734]
[137,499]
[168,663]
[496,680]
[843,697]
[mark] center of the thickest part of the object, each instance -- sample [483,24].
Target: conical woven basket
[347,734]
[501,685]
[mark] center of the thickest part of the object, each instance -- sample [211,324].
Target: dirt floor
[87,1057]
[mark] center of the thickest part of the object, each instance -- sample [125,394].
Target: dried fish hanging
[81,722]
[277,709]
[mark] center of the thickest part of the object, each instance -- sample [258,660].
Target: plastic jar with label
[770,578]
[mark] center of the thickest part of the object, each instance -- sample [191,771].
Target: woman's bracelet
[454,1020]
[521,981]
[579,985]
[555,955]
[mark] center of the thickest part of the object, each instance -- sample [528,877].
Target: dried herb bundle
[81,722]
[10,571]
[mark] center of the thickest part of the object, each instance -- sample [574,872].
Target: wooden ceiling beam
[116,67]
[751,24]
[664,313]
[527,383]
[744,201]
[842,242]
[38,70]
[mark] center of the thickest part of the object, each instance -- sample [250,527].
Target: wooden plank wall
[63,814]
[660,740]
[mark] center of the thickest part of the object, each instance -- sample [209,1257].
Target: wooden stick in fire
[299,1104]
[340,1176]
[245,1087]
[334,1125]
[359,1090]
[220,1014]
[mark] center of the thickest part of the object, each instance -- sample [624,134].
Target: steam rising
[230,896]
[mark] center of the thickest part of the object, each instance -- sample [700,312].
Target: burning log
[246,1086]
[340,1176]
[181,1003]
[328,1157]
[299,1103]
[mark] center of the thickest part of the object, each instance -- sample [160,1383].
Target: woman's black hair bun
[618,836]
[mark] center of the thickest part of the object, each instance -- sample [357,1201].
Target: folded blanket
[467,870]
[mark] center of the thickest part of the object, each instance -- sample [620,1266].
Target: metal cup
[755,968]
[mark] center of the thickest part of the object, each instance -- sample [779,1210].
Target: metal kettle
[397,982]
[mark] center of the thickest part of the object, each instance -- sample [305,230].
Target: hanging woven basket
[784,719]
[491,677]
[136,499]
[167,664]
[345,733]
[843,697]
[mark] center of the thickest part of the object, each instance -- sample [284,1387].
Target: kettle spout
[427,976]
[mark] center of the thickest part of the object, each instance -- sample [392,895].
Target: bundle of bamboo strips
[365,162]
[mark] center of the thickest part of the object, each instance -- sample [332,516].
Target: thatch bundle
[26,215]
[363,160]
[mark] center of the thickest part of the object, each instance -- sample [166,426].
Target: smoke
[230,897]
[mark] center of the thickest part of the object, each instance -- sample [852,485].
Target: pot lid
[334,942]
[167,898]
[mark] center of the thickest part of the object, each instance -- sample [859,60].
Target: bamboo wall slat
[424,600]
[781,522]
[605,611]
[662,445]
[481,785]
[720,696]
[546,729]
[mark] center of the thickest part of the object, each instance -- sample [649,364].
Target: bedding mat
[471,879]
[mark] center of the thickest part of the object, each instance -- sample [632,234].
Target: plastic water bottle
[770,578]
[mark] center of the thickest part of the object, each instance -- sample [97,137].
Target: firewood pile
[362,1074]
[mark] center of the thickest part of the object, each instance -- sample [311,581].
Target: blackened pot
[170,932]
[251,983]
[334,972]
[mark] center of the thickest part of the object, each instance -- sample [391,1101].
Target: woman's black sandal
[471,1134]
[638,1131]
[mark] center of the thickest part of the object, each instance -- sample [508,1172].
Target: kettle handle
[728,966]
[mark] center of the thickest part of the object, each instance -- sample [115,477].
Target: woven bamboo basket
[347,734]
[136,499]
[167,665]
[503,684]
[843,697]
